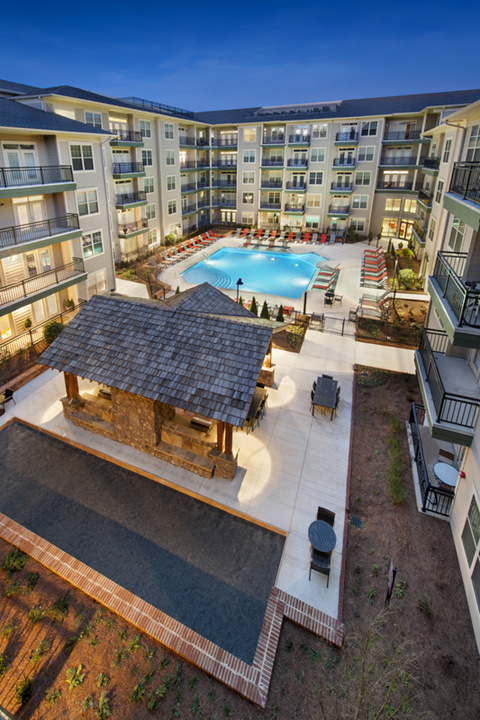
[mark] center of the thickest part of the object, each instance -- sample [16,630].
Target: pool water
[268,273]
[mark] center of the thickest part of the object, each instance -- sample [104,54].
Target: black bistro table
[325,394]
[322,536]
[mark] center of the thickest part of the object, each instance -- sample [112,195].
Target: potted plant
[68,304]
[27,323]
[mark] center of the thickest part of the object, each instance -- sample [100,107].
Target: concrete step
[185,458]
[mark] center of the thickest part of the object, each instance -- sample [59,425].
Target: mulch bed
[291,339]
[403,330]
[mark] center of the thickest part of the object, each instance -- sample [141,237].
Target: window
[314,200]
[438,194]
[393,204]
[147,157]
[316,178]
[318,155]
[148,185]
[87,202]
[249,134]
[170,157]
[248,198]
[471,531]
[145,128]
[169,131]
[150,211]
[172,207]
[171,182]
[365,154]
[65,113]
[410,206]
[247,218]
[92,244]
[369,128]
[248,156]
[357,224]
[431,229]
[248,177]
[389,227]
[360,201]
[312,222]
[456,235]
[94,119]
[82,157]
[473,152]
[319,131]
[446,151]
[152,237]
[363,178]
[96,282]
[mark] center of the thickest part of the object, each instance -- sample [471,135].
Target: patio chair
[6,397]
[320,562]
[329,377]
[326,515]
[315,238]
[314,385]
[446,457]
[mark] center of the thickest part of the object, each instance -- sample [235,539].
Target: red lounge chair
[247,243]
[244,232]
[259,232]
[273,235]
[290,236]
[306,239]
[323,239]
[375,278]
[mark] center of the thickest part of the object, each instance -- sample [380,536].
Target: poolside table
[325,394]
[322,536]
[446,473]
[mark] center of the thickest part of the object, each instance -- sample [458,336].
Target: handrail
[463,300]
[299,139]
[130,167]
[129,198]
[127,135]
[34,231]
[387,160]
[403,135]
[431,162]
[44,175]
[127,228]
[32,285]
[346,136]
[465,181]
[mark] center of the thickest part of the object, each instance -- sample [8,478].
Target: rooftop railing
[127,228]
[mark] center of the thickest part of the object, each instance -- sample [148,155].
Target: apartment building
[448,359]
[55,244]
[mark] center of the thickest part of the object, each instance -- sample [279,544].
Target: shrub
[265,313]
[423,605]
[52,330]
[170,239]
[407,277]
[14,560]
[27,323]
[177,291]
[74,676]
[23,690]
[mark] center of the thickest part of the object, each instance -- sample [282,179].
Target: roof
[205,298]
[15,114]
[17,88]
[207,365]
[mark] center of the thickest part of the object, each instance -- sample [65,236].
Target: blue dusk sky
[219,55]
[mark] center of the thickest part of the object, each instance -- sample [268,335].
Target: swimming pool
[269,273]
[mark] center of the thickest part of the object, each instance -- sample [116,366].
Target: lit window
[389,227]
[94,119]
[314,200]
[247,218]
[152,237]
[92,244]
[82,157]
[410,206]
[393,204]
[145,128]
[249,134]
[248,198]
[87,202]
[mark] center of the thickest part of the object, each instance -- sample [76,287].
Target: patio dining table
[322,536]
[325,394]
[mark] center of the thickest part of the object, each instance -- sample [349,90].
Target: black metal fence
[11,177]
[36,283]
[128,135]
[34,231]
[337,326]
[130,198]
[433,499]
[464,300]
[466,181]
[128,168]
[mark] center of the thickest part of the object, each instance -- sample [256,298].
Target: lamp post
[239,282]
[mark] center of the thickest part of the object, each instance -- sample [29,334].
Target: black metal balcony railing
[224,163]
[130,198]
[264,204]
[14,177]
[37,283]
[339,209]
[450,407]
[341,186]
[432,163]
[203,204]
[188,164]
[395,185]
[274,140]
[225,142]
[272,162]
[297,162]
[394,160]
[299,139]
[202,142]
[224,183]
[294,186]
[127,228]
[127,135]
[202,164]
[426,197]
[403,135]
[294,208]
[224,202]
[188,209]
[463,299]
[346,136]
[466,181]
[34,231]
[433,498]
[188,187]
[128,168]
[184,140]
[343,162]
[275,184]
[202,184]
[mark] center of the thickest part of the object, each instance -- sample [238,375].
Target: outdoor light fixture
[239,282]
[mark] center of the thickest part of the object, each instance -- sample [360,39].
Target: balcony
[294,209]
[343,162]
[272,162]
[419,231]
[399,185]
[128,170]
[203,204]
[299,139]
[449,389]
[189,187]
[456,301]
[224,184]
[185,141]
[394,161]
[271,184]
[273,140]
[224,163]
[224,202]
[341,187]
[189,209]
[21,181]
[203,184]
[403,135]
[266,205]
[202,142]
[225,142]
[346,138]
[298,162]
[431,165]
[294,187]
[425,197]
[126,138]
[14,295]
[188,165]
[126,230]
[39,234]
[339,210]
[463,198]
[126,201]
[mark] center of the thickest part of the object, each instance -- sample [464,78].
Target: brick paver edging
[250,681]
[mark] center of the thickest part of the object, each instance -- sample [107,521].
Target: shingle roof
[209,366]
[17,88]
[17,115]
[205,298]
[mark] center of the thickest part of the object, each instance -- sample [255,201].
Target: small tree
[170,239]
[253,306]
[52,330]
[177,291]
[240,300]
[407,277]
[280,317]
[370,237]
[265,312]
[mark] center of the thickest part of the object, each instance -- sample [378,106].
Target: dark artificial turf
[210,570]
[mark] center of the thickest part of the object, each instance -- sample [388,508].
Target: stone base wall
[134,420]
[85,420]
[225,465]
[98,406]
[267,376]
[180,438]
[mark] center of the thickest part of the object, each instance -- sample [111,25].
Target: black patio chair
[314,385]
[329,377]
[6,397]
[326,515]
[320,562]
